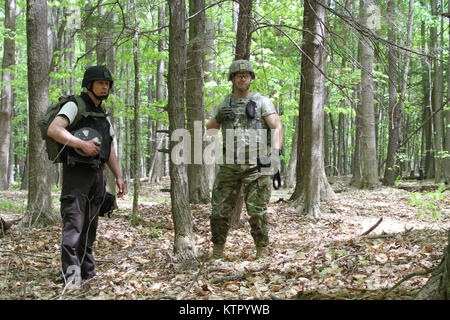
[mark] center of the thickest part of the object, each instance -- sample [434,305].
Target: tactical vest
[248,137]
[93,117]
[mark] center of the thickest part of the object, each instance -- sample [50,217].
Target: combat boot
[217,251]
[261,252]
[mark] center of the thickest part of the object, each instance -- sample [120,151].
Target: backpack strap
[83,113]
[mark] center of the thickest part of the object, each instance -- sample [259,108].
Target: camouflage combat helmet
[240,66]
[93,73]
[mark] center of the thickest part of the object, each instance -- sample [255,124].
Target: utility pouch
[108,205]
[250,109]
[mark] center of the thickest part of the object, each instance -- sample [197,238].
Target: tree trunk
[367,116]
[330,164]
[314,182]
[105,55]
[244,30]
[137,127]
[198,182]
[39,208]
[209,66]
[291,170]
[341,163]
[158,162]
[6,106]
[447,123]
[357,167]
[426,146]
[436,101]
[184,241]
[396,106]
[300,143]
[438,286]
[390,172]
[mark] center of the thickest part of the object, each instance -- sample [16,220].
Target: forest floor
[326,258]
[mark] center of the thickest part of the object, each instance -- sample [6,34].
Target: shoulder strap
[255,97]
[82,112]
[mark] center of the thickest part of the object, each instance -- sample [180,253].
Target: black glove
[276,166]
[270,165]
[225,114]
[275,160]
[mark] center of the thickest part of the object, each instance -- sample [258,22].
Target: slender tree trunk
[105,55]
[436,101]
[151,135]
[39,207]
[298,190]
[426,146]
[244,30]
[447,119]
[394,110]
[128,175]
[315,184]
[330,165]
[291,170]
[396,106]
[209,66]
[184,242]
[158,163]
[198,183]
[137,127]
[341,144]
[367,116]
[6,107]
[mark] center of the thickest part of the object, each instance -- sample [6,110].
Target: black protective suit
[83,192]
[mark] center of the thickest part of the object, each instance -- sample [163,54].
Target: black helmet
[97,73]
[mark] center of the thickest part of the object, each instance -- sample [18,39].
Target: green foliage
[155,232]
[11,207]
[429,202]
[275,55]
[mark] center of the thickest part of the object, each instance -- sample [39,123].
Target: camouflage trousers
[225,194]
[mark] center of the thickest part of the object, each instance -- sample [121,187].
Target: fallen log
[425,188]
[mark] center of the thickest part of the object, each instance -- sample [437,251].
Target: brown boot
[217,251]
[261,252]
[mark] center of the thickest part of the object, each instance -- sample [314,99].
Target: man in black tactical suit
[83,188]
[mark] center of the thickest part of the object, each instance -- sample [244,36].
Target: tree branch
[372,227]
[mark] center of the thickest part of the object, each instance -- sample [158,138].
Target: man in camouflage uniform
[252,138]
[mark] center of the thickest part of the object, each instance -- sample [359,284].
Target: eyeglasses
[243,75]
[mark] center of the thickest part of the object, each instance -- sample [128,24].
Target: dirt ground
[308,259]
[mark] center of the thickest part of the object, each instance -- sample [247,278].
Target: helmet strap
[101,98]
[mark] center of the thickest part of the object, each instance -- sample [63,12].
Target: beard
[241,89]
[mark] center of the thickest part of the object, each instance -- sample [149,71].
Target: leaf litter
[308,259]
